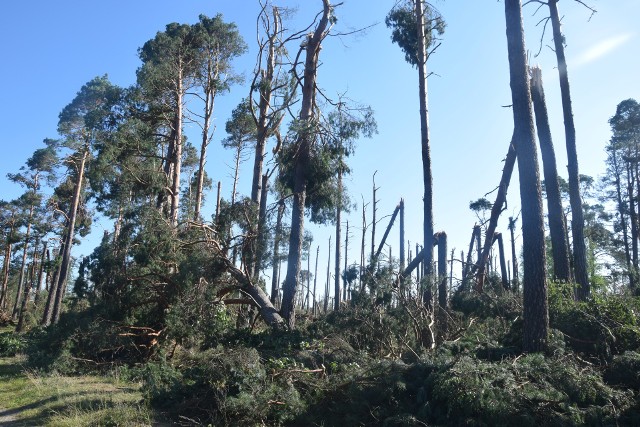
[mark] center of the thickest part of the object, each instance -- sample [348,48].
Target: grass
[33,398]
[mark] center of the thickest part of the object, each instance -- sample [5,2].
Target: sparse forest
[215,307]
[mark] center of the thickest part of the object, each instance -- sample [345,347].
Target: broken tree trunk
[496,210]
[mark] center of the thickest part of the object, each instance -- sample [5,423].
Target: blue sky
[50,49]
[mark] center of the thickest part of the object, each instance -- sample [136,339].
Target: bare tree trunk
[45,253]
[388,229]
[177,155]
[276,253]
[261,240]
[68,240]
[362,256]
[503,263]
[315,281]
[326,288]
[346,248]
[305,142]
[218,201]
[336,286]
[536,315]
[425,143]
[206,139]
[20,290]
[557,227]
[634,218]
[496,210]
[514,257]
[6,265]
[402,248]
[53,288]
[577,218]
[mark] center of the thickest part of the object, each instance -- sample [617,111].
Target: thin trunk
[503,263]
[634,219]
[336,285]
[68,240]
[29,286]
[261,240]
[425,143]
[557,227]
[6,265]
[20,291]
[536,314]
[621,212]
[346,249]
[575,199]
[218,201]
[305,142]
[402,248]
[373,222]
[362,256]
[276,253]
[206,139]
[45,253]
[326,288]
[442,317]
[315,281]
[177,157]
[496,210]
[386,232]
[48,308]
[514,257]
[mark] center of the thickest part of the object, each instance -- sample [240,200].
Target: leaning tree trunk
[557,227]
[496,210]
[68,241]
[426,150]
[536,313]
[305,141]
[577,218]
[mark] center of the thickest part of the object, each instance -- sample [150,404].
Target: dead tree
[557,227]
[496,210]
[301,163]
[536,315]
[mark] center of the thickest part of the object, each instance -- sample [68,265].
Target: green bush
[11,344]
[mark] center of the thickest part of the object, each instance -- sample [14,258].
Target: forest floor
[32,398]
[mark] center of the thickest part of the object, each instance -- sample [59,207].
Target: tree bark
[575,199]
[338,258]
[388,229]
[177,155]
[276,253]
[536,315]
[557,227]
[20,291]
[503,263]
[315,281]
[68,240]
[496,210]
[305,142]
[45,253]
[425,143]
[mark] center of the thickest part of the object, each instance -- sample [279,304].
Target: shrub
[11,344]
